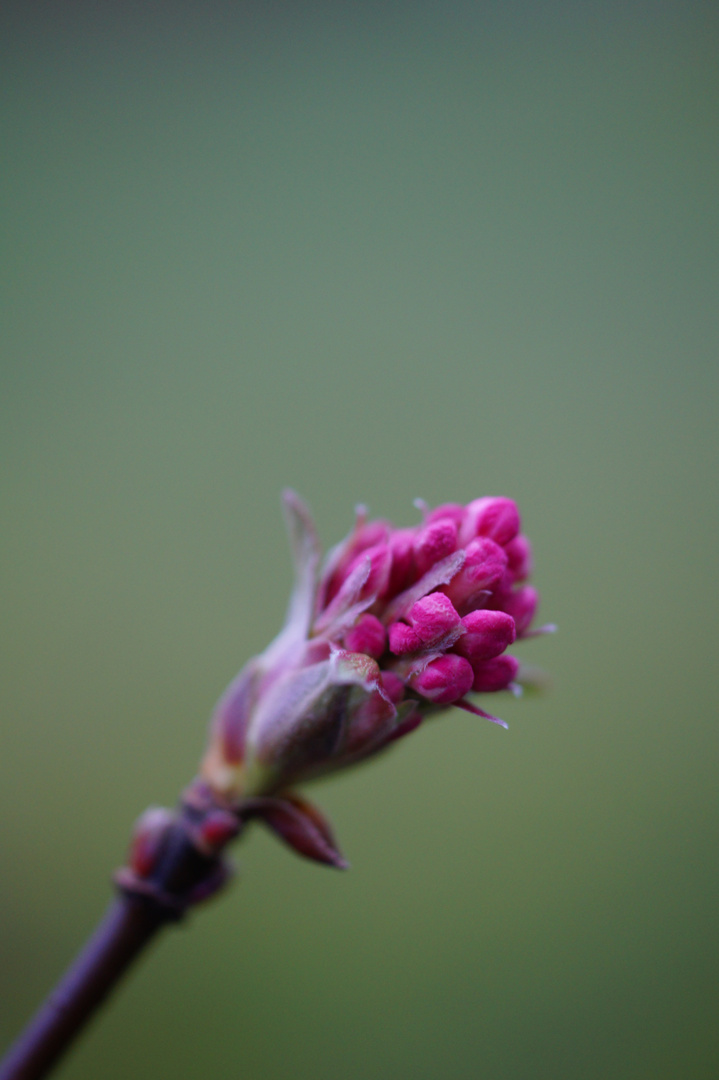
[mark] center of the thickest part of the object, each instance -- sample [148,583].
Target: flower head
[397,624]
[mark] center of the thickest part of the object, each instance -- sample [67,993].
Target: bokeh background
[375,252]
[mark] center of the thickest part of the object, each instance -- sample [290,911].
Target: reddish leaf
[300,824]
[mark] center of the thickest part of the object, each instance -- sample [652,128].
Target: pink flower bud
[455,511]
[402,572]
[522,605]
[497,518]
[433,543]
[444,680]
[392,687]
[380,559]
[403,639]
[484,565]
[365,535]
[488,634]
[365,578]
[495,674]
[371,723]
[519,557]
[433,624]
[367,636]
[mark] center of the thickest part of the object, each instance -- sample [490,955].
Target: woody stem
[127,927]
[143,907]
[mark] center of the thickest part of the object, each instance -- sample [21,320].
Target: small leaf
[305,549]
[347,596]
[300,825]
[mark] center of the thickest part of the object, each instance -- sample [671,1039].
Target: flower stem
[185,868]
[127,927]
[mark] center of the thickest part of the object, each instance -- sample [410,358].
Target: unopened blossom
[395,625]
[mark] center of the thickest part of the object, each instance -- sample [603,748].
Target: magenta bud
[368,635]
[484,565]
[401,574]
[444,680]
[403,639]
[370,720]
[380,561]
[455,511]
[519,557]
[488,634]
[380,564]
[392,687]
[434,623]
[522,606]
[434,542]
[366,535]
[369,535]
[497,518]
[495,674]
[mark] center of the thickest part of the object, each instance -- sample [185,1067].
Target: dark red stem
[127,927]
[185,870]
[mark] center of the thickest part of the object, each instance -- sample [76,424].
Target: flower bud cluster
[447,598]
[397,624]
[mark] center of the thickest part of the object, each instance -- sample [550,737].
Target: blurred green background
[372,251]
